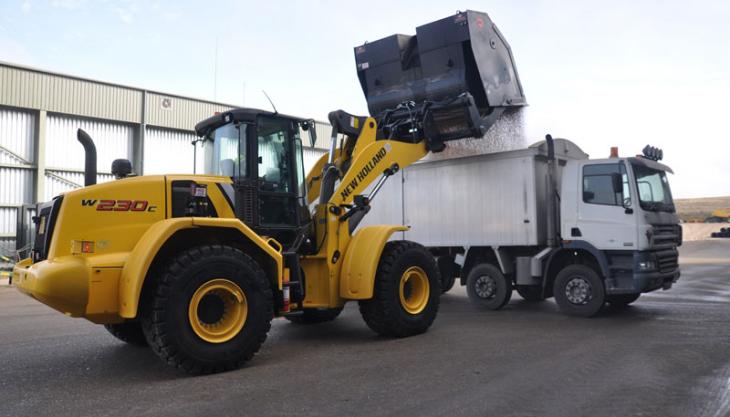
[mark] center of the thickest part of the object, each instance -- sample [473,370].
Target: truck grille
[666,235]
[667,260]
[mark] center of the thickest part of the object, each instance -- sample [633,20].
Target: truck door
[606,216]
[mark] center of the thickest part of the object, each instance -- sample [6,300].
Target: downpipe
[90,157]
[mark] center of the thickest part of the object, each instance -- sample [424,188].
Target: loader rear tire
[406,294]
[210,311]
[128,332]
[315,315]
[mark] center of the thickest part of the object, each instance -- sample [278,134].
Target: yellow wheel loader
[197,266]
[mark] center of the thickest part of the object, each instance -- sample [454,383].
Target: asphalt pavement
[667,355]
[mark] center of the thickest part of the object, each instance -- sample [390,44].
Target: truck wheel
[406,294]
[622,300]
[314,315]
[578,290]
[211,310]
[447,271]
[128,332]
[531,293]
[487,287]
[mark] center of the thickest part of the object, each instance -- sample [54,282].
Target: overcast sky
[618,73]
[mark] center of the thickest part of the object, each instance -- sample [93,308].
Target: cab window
[599,185]
[274,166]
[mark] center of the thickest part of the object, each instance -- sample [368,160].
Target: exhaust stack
[90,157]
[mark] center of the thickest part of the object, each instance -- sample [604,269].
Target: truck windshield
[653,187]
[225,151]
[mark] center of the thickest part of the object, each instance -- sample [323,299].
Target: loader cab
[262,153]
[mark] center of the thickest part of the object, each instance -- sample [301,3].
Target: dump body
[492,199]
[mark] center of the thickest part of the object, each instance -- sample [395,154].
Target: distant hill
[698,209]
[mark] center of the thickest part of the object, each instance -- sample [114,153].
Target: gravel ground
[667,355]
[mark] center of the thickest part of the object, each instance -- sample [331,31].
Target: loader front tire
[406,293]
[128,332]
[211,310]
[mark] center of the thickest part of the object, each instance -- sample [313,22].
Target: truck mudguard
[583,245]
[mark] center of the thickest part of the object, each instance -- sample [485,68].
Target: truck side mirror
[310,127]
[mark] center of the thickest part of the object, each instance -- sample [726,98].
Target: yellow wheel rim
[414,290]
[218,311]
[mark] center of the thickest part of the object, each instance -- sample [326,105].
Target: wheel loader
[197,266]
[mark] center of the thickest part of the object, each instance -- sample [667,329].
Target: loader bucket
[462,58]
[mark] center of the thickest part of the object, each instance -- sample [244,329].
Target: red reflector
[87,247]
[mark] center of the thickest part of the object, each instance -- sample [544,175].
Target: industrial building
[40,157]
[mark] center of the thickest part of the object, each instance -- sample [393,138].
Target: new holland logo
[365,171]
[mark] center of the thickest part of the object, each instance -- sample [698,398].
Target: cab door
[276,173]
[606,216]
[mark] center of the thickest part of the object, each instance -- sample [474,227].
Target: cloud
[68,4]
[26,6]
[12,51]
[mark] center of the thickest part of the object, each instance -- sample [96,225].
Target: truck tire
[622,300]
[128,332]
[210,311]
[487,287]
[314,315]
[447,271]
[406,294]
[578,290]
[532,293]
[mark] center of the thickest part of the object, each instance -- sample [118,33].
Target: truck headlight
[647,265]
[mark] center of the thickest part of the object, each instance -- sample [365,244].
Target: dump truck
[546,221]
[197,266]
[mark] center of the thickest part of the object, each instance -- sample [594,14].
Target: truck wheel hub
[414,290]
[486,287]
[578,291]
[218,311]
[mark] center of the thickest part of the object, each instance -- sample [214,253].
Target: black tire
[487,287]
[385,313]
[622,300]
[168,326]
[314,315]
[447,269]
[128,332]
[532,293]
[578,290]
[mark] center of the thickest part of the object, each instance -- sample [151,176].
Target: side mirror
[310,127]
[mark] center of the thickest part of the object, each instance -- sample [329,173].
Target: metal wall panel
[311,156]
[168,152]
[179,112]
[113,141]
[8,220]
[58,182]
[7,247]
[17,134]
[15,185]
[35,89]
